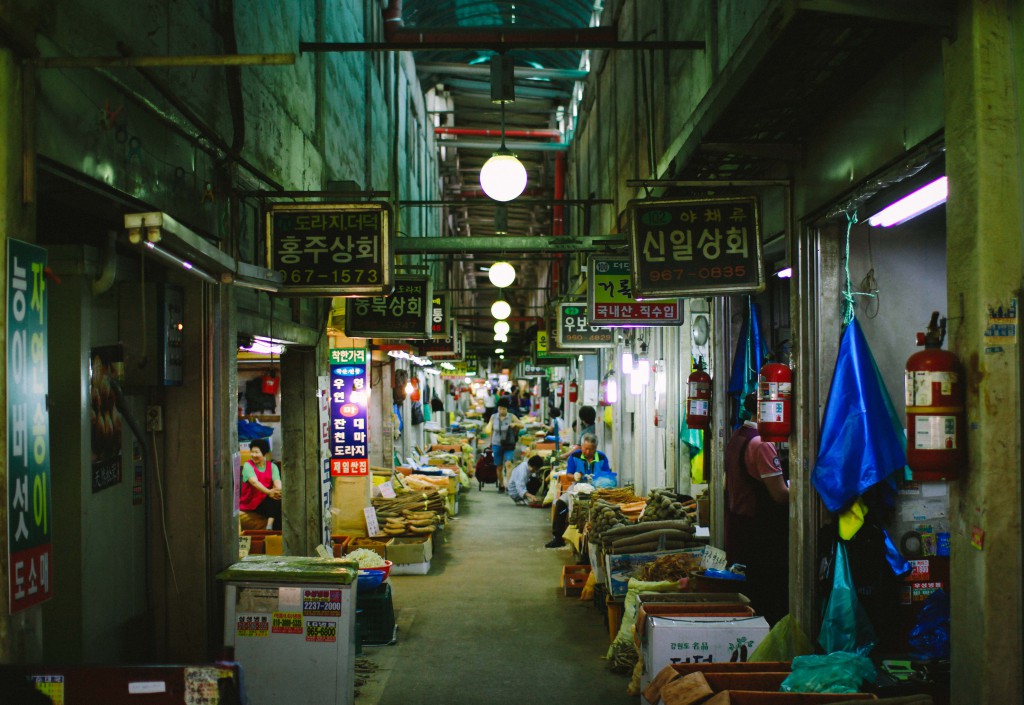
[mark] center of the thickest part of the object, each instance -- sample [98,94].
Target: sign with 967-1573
[702,247]
[331,249]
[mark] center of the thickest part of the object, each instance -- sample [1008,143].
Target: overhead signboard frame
[574,332]
[441,323]
[610,302]
[331,249]
[404,314]
[695,247]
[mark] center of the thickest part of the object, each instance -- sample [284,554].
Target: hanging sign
[441,323]
[29,517]
[331,249]
[403,314]
[444,348]
[349,393]
[695,247]
[542,355]
[472,364]
[610,301]
[575,330]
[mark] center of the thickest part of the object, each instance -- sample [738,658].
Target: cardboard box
[411,568]
[415,549]
[668,640]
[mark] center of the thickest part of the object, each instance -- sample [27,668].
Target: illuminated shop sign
[29,514]
[331,249]
[610,301]
[349,392]
[695,247]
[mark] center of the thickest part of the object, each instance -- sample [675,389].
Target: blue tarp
[862,441]
[751,351]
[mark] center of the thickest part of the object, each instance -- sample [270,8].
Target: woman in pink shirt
[260,494]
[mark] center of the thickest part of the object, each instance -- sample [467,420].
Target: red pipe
[468,131]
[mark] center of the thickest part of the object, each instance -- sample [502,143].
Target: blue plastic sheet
[862,441]
[751,351]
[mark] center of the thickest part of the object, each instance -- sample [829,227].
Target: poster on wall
[29,546]
[106,369]
[349,390]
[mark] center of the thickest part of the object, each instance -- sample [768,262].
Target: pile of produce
[366,558]
[410,513]
[617,495]
[604,517]
[410,523]
[643,537]
[664,504]
[674,566]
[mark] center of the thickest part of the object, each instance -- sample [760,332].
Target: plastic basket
[385,569]
[370,580]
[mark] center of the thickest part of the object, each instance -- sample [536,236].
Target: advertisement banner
[349,393]
[29,548]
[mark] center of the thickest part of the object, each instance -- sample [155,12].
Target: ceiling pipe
[481,132]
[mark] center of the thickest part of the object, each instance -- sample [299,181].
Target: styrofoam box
[411,568]
[698,639]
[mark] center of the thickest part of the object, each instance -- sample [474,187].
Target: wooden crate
[574,577]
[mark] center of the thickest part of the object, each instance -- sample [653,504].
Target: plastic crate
[574,577]
[375,617]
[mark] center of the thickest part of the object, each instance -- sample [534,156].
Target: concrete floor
[489,623]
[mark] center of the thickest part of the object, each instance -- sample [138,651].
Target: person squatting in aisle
[520,477]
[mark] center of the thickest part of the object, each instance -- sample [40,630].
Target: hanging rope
[848,292]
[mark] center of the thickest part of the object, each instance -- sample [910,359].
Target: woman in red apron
[260,494]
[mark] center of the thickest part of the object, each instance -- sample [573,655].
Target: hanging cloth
[862,441]
[751,351]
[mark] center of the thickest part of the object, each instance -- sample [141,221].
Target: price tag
[322,552]
[387,490]
[713,559]
[244,546]
[372,527]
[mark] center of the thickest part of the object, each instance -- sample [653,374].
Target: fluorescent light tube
[911,206]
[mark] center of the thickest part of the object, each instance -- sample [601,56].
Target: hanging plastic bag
[839,672]
[416,415]
[929,639]
[784,642]
[845,625]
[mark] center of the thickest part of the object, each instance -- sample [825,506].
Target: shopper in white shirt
[517,491]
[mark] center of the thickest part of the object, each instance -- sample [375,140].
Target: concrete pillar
[984,219]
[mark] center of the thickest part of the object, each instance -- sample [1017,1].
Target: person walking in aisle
[502,428]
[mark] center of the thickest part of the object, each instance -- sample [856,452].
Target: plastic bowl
[385,570]
[370,580]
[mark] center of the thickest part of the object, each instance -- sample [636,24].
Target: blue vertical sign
[28,429]
[349,393]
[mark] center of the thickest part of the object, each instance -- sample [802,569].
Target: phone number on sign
[668,275]
[342,276]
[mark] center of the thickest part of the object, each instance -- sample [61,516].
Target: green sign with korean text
[29,548]
[695,247]
[610,301]
[575,330]
[403,314]
[331,249]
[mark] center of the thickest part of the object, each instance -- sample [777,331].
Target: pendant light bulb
[612,391]
[503,176]
[501,309]
[501,274]
[501,327]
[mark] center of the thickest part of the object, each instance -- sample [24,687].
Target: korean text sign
[28,429]
[695,247]
[331,249]
[575,330]
[403,314]
[349,393]
[610,301]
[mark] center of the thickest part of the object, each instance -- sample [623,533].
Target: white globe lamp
[502,327]
[501,309]
[503,176]
[501,274]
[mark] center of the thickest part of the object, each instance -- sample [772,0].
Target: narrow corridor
[490,623]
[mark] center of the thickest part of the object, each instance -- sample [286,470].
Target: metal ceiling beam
[503,43]
[921,12]
[459,245]
[514,146]
[472,86]
[182,61]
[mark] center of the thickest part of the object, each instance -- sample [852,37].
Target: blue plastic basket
[370,580]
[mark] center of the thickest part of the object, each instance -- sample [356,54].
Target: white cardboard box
[698,639]
[411,568]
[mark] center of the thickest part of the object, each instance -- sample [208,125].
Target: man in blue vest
[583,463]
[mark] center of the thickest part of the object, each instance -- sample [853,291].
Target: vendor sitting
[583,463]
[520,477]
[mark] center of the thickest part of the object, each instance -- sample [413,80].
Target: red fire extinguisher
[775,402]
[698,398]
[560,389]
[934,385]
[574,392]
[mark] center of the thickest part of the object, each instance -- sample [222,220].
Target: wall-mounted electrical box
[152,326]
